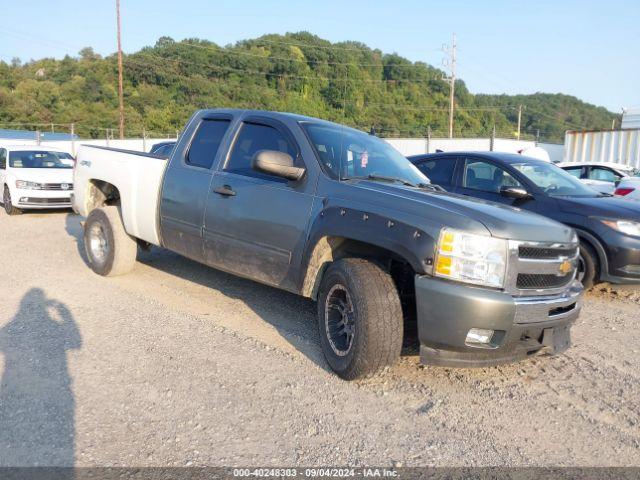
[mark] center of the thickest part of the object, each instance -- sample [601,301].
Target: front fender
[335,224]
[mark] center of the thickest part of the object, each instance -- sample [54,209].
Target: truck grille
[541,268]
[545,252]
[527,281]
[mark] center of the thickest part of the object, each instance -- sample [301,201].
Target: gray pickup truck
[339,216]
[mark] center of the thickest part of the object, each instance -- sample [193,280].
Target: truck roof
[276,115]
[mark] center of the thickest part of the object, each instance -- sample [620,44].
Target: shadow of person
[37,407]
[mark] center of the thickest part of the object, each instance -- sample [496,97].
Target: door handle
[225,191]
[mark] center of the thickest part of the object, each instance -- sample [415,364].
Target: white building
[631,118]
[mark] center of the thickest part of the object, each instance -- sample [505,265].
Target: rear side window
[206,142]
[604,174]
[3,159]
[252,138]
[439,171]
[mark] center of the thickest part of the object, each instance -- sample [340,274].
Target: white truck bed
[137,176]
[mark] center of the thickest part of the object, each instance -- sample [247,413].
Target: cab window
[252,138]
[486,177]
[3,159]
[206,142]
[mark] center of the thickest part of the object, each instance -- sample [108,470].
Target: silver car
[611,178]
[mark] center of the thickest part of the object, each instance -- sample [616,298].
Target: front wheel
[110,250]
[359,318]
[587,266]
[8,204]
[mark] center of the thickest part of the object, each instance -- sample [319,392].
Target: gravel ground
[177,364]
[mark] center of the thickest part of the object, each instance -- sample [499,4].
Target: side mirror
[514,192]
[276,163]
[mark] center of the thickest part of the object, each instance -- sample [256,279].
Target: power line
[228,51]
[278,75]
[306,45]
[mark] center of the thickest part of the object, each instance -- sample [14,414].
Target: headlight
[624,226]
[477,259]
[28,185]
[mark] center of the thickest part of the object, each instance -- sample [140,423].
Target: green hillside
[346,82]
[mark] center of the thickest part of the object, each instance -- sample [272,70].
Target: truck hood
[612,207]
[44,175]
[500,220]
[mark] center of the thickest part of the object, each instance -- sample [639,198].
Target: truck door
[186,187]
[255,223]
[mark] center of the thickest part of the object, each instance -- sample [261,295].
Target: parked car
[34,177]
[339,216]
[608,227]
[613,178]
[163,148]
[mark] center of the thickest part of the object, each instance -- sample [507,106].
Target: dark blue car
[608,227]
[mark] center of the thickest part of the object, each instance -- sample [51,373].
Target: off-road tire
[377,318]
[8,205]
[589,261]
[120,249]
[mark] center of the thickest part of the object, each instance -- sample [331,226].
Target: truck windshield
[346,153]
[554,181]
[40,159]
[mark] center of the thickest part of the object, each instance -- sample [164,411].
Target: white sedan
[612,178]
[33,177]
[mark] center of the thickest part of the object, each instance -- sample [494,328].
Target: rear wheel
[8,205]
[110,250]
[588,268]
[359,318]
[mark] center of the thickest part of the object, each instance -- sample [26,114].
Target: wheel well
[100,194]
[329,249]
[596,251]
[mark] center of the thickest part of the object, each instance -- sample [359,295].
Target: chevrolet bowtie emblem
[565,267]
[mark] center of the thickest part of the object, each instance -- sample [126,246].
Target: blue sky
[590,49]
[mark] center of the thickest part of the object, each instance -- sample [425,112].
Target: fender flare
[335,226]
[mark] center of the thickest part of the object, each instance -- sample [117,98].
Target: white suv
[613,178]
[33,177]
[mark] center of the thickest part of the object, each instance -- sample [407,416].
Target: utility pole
[451,64]
[492,141]
[120,89]
[73,139]
[519,120]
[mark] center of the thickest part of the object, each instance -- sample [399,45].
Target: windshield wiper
[407,183]
[431,186]
[384,178]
